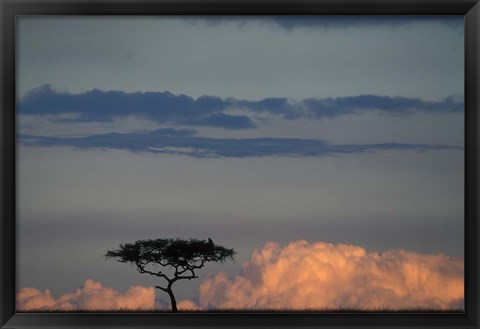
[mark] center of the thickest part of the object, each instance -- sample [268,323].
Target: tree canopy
[183,256]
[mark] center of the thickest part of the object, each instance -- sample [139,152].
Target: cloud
[326,21]
[34,299]
[105,106]
[298,276]
[336,21]
[321,275]
[91,296]
[167,108]
[180,142]
[188,305]
[334,107]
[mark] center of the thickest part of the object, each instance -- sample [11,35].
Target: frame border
[9,9]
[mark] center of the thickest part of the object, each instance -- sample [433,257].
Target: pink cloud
[188,305]
[92,296]
[299,276]
[34,299]
[321,275]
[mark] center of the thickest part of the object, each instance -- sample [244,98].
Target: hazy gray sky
[251,59]
[344,130]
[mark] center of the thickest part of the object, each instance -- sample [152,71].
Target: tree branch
[141,269]
[189,277]
[186,277]
[185,269]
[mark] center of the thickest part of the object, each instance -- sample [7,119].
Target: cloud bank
[91,296]
[211,111]
[299,276]
[182,142]
[321,275]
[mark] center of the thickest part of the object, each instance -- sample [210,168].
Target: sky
[328,143]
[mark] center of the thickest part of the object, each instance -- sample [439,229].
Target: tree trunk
[172,299]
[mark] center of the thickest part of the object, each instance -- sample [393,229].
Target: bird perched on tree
[210,244]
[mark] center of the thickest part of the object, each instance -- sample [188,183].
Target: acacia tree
[181,257]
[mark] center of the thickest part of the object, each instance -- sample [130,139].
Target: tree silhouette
[182,257]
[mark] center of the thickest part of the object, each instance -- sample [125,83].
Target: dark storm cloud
[160,141]
[165,107]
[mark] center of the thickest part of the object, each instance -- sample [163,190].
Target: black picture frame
[9,9]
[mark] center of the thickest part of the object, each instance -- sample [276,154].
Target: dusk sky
[301,142]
